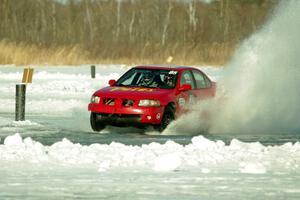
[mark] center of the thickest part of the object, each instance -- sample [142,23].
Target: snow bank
[209,156]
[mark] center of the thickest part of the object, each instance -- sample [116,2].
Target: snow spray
[262,81]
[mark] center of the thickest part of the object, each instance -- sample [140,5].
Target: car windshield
[150,78]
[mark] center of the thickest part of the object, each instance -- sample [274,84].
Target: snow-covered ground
[203,169]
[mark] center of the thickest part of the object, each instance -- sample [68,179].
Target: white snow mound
[204,154]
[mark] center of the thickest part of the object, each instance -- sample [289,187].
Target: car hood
[133,92]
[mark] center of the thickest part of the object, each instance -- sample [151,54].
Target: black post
[93,71]
[20,102]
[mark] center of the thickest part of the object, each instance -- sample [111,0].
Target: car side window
[187,78]
[201,80]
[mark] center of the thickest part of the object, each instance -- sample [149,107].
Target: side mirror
[112,82]
[185,87]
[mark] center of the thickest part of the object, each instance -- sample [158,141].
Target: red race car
[148,95]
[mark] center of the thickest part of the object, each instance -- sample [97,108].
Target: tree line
[189,30]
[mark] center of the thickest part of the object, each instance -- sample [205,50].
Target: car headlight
[95,99]
[148,102]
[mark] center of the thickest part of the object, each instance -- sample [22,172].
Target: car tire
[168,117]
[96,126]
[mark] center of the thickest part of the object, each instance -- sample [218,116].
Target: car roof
[164,67]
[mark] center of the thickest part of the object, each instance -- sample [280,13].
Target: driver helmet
[169,80]
[147,77]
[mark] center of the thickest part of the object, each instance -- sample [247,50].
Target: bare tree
[166,24]
[89,22]
[118,20]
[53,19]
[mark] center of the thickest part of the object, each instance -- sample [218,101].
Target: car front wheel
[168,117]
[96,126]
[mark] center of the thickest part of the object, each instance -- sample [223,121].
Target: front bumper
[127,116]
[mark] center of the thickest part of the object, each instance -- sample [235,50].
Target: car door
[187,97]
[203,86]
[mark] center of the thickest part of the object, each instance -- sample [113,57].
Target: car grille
[109,101]
[127,102]
[122,102]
